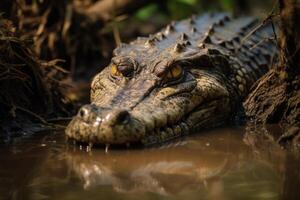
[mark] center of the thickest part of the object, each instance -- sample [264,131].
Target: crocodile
[191,75]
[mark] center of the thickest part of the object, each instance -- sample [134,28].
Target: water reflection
[212,165]
[162,171]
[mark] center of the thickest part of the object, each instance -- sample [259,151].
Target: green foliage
[146,12]
[179,9]
[227,5]
[169,9]
[189,2]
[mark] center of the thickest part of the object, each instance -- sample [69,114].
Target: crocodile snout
[91,113]
[104,125]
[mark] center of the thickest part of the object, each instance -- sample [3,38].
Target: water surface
[221,164]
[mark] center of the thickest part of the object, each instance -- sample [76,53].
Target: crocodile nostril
[83,113]
[122,117]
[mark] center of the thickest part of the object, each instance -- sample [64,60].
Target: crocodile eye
[175,72]
[115,71]
[125,70]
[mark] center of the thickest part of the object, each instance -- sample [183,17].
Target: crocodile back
[240,48]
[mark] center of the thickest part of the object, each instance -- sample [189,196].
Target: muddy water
[221,164]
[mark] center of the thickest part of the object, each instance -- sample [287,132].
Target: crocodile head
[152,98]
[157,88]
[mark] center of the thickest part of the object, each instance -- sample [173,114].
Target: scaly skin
[187,77]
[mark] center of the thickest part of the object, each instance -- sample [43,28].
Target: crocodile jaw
[104,132]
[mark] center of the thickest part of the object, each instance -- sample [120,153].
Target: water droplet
[90,146]
[106,148]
